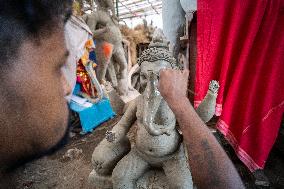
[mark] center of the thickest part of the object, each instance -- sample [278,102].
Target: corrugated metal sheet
[138,8]
[128,9]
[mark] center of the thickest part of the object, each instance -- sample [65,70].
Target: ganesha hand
[107,154]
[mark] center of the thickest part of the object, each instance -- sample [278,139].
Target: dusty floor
[59,172]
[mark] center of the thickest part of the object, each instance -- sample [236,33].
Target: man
[33,113]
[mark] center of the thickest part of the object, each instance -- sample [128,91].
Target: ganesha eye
[158,76]
[143,76]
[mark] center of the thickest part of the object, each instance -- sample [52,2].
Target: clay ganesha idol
[158,144]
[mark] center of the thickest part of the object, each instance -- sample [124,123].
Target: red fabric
[241,44]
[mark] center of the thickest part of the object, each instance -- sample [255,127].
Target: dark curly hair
[22,19]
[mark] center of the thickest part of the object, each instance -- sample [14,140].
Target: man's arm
[210,166]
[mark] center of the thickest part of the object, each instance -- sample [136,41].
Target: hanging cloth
[241,45]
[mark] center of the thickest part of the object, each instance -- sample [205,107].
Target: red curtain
[241,44]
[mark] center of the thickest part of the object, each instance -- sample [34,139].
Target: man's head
[33,113]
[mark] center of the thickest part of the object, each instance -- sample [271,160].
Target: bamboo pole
[117,13]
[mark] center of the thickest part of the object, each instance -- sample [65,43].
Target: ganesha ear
[135,78]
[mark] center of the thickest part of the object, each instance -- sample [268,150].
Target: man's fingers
[170,73]
[163,72]
[186,68]
[185,73]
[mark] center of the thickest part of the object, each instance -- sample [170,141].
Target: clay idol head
[154,59]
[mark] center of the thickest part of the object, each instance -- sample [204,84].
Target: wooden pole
[117,13]
[92,5]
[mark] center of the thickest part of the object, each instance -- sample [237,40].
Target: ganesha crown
[157,53]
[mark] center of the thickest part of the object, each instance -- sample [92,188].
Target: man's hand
[173,85]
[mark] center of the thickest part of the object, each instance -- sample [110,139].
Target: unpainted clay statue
[158,143]
[173,28]
[109,50]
